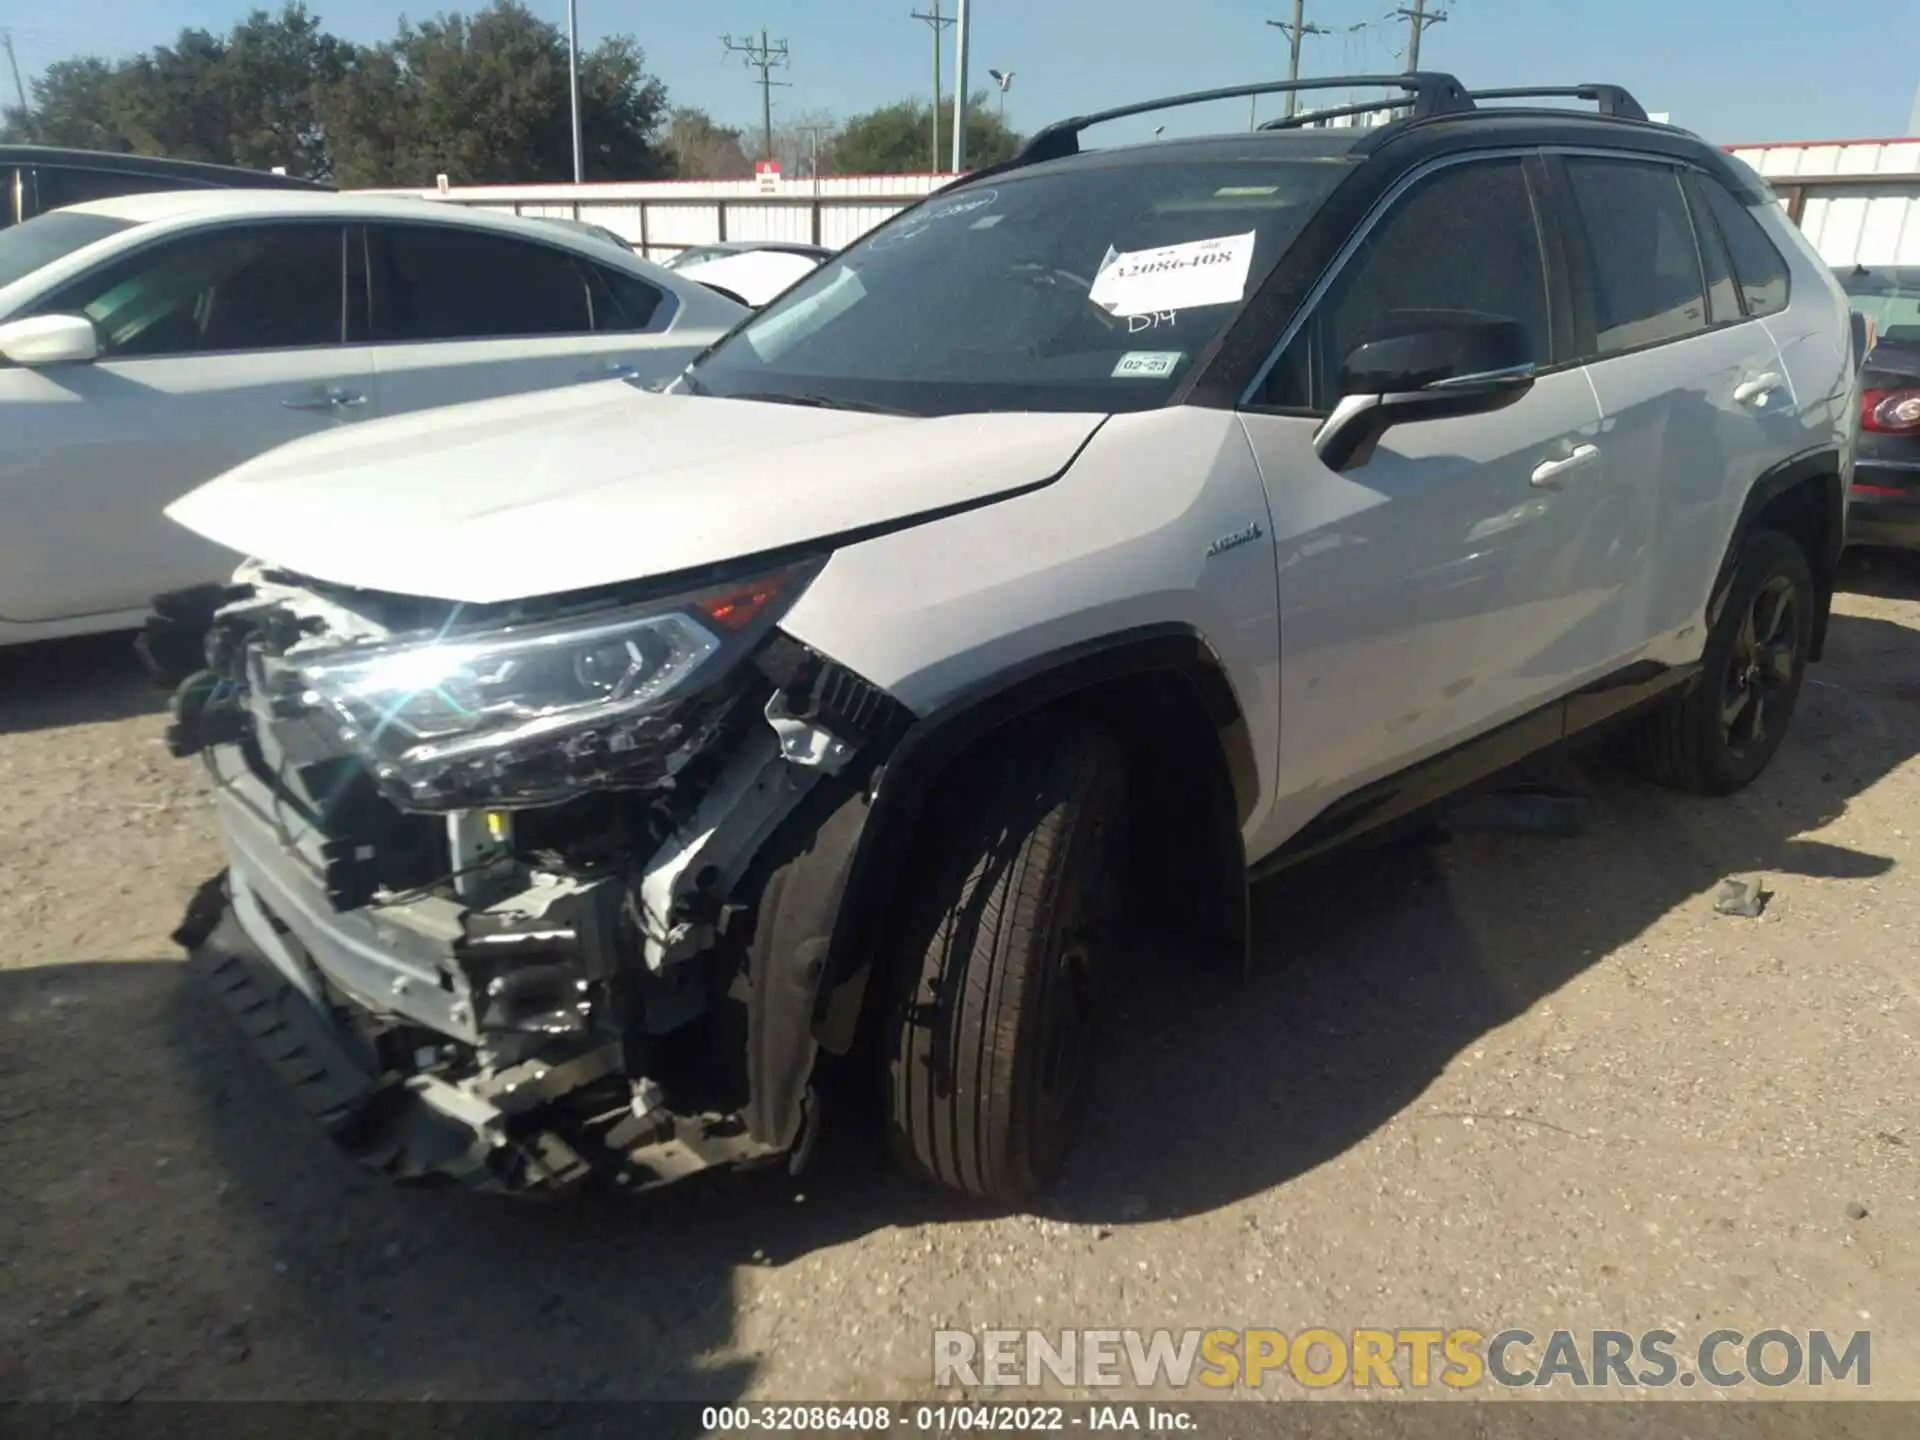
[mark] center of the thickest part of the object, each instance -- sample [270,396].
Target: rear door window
[622,301]
[1758,267]
[439,282]
[1648,286]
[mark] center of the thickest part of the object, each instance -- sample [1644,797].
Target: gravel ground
[1495,1081]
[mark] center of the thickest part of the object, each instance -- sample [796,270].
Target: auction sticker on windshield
[1147,364]
[1174,277]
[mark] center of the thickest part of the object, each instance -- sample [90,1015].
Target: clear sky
[1733,70]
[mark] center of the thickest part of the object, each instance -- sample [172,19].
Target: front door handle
[1756,390]
[1548,474]
[334,397]
[612,370]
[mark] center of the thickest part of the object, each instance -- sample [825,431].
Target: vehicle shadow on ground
[1375,969]
[52,683]
[1373,974]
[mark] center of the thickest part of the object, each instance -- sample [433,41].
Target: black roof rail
[1613,100]
[1427,92]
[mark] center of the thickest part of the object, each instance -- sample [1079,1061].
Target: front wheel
[1011,918]
[1721,733]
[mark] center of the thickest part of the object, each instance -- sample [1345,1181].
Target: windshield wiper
[824,402]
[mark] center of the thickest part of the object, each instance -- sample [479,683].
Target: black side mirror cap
[1423,365]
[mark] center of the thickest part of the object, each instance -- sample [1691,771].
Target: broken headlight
[534,713]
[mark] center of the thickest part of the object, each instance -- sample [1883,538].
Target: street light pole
[1004,79]
[961,38]
[573,86]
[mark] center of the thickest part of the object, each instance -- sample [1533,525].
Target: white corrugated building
[660,218]
[1857,200]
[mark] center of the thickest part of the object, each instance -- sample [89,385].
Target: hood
[599,484]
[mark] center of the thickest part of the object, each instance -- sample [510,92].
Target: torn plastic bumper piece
[413,1129]
[421,1129]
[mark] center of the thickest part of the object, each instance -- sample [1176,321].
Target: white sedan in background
[752,276]
[151,342]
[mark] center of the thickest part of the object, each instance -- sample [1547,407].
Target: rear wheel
[1721,733]
[1011,921]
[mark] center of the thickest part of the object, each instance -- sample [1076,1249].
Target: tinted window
[622,301]
[1647,285]
[59,185]
[268,287]
[1757,265]
[9,196]
[442,283]
[1465,238]
[46,238]
[1723,297]
[1092,286]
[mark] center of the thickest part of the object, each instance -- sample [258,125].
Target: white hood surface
[597,484]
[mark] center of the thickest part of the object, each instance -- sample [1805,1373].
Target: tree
[249,98]
[898,138]
[73,105]
[705,150]
[485,99]
[480,98]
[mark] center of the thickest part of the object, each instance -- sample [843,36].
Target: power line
[1297,31]
[766,57]
[936,22]
[1418,18]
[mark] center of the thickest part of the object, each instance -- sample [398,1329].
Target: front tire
[1723,731]
[1011,917]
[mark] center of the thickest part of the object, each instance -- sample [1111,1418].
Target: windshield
[1092,287]
[1888,296]
[47,238]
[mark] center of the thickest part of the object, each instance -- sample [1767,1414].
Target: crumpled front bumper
[418,1130]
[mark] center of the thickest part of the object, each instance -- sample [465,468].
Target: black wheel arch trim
[1820,466]
[872,854]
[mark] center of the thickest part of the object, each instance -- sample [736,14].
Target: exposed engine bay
[493,904]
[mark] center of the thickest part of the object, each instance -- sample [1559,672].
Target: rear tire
[1722,731]
[1010,923]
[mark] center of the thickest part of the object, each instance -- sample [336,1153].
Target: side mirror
[1423,365]
[50,340]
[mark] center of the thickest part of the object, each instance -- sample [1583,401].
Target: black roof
[191,171]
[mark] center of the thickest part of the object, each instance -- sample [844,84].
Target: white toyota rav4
[600,769]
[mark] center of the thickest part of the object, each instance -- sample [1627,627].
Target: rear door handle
[1549,473]
[335,397]
[1758,388]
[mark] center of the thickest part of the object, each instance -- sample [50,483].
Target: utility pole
[813,133]
[766,56]
[937,22]
[1296,32]
[573,87]
[962,34]
[1418,19]
[26,115]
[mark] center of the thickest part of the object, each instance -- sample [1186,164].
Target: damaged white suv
[597,766]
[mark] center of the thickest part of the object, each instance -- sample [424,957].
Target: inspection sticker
[1174,277]
[1147,364]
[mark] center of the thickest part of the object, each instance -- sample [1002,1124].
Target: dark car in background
[1886,476]
[38,178]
